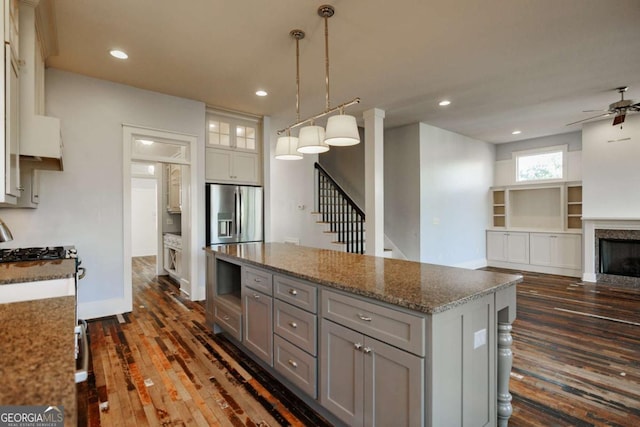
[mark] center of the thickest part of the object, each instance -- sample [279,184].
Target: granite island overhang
[453,325]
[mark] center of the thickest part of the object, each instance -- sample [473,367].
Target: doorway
[162,152]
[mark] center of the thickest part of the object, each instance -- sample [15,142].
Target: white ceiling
[532,65]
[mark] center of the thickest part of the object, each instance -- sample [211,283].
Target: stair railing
[340,211]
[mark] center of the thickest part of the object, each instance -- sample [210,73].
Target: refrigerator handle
[235,212]
[239,212]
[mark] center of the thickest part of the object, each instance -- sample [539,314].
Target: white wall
[144,234]
[611,169]
[82,205]
[402,189]
[455,175]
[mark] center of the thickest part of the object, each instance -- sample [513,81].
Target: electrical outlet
[479,338]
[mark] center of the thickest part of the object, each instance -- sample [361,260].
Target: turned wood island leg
[505,361]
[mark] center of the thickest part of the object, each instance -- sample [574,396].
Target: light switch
[479,338]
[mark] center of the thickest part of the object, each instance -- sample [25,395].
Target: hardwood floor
[576,362]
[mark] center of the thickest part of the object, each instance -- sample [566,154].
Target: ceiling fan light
[311,140]
[286,148]
[342,131]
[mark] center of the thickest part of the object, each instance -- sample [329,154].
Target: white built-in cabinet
[508,246]
[556,250]
[537,227]
[10,147]
[173,173]
[232,153]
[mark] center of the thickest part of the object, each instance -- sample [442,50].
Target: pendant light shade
[342,130]
[311,140]
[286,148]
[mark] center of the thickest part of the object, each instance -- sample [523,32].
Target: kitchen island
[37,313]
[370,341]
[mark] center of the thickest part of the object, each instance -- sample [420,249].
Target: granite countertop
[33,271]
[37,347]
[427,288]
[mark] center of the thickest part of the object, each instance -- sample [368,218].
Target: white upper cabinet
[9,100]
[232,150]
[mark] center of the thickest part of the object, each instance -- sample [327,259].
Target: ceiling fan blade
[619,119]
[589,118]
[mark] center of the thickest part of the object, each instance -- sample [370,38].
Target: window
[541,164]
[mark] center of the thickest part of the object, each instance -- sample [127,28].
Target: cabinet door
[12,153]
[258,324]
[518,247]
[245,167]
[217,165]
[496,246]
[568,251]
[393,386]
[342,372]
[541,248]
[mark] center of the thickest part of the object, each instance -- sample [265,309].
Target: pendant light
[287,146]
[342,130]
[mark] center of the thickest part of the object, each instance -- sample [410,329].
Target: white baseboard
[536,268]
[473,264]
[589,277]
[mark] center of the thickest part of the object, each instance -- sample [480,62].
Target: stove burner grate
[32,254]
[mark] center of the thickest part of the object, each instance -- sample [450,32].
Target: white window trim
[553,149]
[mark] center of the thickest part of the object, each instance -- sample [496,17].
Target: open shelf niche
[545,207]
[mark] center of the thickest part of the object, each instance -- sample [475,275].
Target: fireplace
[617,256]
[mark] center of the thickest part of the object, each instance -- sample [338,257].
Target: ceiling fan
[619,108]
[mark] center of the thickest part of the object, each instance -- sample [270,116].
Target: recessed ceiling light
[118,54]
[444,103]
[261,93]
[516,132]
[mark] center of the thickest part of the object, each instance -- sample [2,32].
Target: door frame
[190,204]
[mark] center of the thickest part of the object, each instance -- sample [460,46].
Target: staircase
[342,219]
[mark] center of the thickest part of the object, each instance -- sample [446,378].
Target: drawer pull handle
[357,346]
[293,292]
[257,280]
[363,317]
[367,350]
[293,325]
[292,363]
[225,317]
[256,296]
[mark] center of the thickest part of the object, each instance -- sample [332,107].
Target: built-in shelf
[228,283]
[574,206]
[499,208]
[535,207]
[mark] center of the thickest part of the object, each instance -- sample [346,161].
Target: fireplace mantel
[590,226]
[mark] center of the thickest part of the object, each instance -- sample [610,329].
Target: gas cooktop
[36,254]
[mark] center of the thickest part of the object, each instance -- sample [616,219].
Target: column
[374,180]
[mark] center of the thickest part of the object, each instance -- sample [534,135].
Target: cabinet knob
[293,325]
[20,188]
[293,292]
[367,350]
[257,280]
[256,296]
[365,318]
[292,363]
[225,317]
[357,345]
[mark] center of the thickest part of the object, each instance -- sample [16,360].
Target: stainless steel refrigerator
[234,214]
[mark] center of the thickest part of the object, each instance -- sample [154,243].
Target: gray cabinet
[257,305]
[365,382]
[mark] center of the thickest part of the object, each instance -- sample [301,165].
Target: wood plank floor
[576,362]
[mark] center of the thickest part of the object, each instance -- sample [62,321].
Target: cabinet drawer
[259,280]
[295,365]
[397,328]
[297,293]
[228,319]
[297,326]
